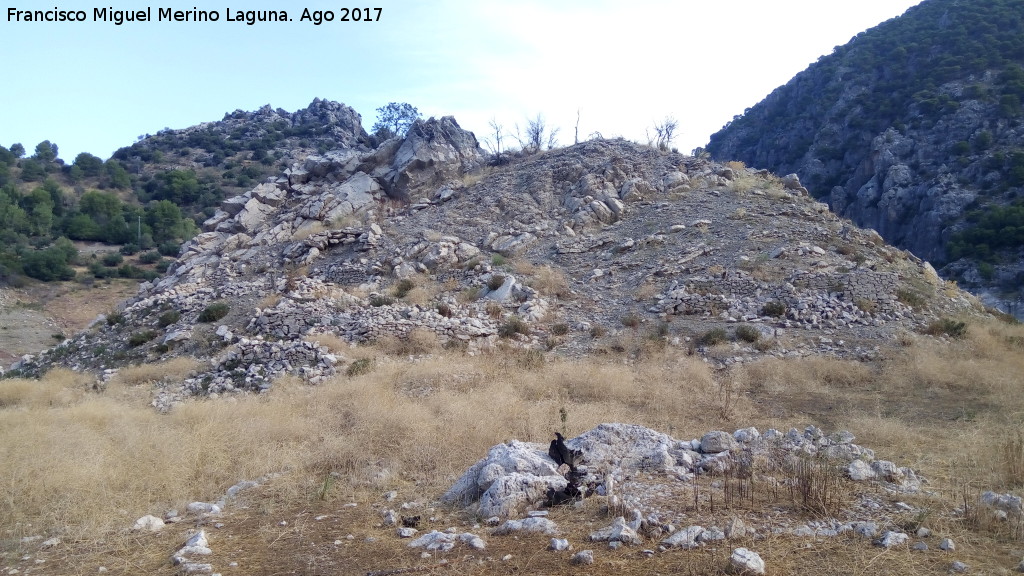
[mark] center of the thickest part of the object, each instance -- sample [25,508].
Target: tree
[89,164]
[395,119]
[663,133]
[46,151]
[494,142]
[537,135]
[117,175]
[17,149]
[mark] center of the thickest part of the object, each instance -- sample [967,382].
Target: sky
[618,67]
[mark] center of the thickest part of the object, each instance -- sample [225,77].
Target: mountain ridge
[914,129]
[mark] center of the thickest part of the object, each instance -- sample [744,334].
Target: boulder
[744,561]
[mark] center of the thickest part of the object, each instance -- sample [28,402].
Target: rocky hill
[913,129]
[603,245]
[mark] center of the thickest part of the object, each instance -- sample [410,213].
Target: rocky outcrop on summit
[419,239]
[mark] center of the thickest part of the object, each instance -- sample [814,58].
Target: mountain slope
[914,129]
[606,244]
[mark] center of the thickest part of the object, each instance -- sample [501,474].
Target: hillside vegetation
[912,128]
[150,196]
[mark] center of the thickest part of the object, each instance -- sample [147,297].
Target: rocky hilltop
[605,244]
[913,129]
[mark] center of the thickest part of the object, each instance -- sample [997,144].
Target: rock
[432,152]
[619,531]
[541,525]
[559,544]
[1006,502]
[503,292]
[860,470]
[406,532]
[717,441]
[947,544]
[148,523]
[198,539]
[583,558]
[892,538]
[958,567]
[685,539]
[746,435]
[744,561]
[445,541]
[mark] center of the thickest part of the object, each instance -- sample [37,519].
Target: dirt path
[31,318]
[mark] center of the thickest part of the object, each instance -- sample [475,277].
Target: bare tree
[664,133]
[536,135]
[495,139]
[576,136]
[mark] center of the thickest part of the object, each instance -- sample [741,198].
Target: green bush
[403,287]
[359,367]
[378,300]
[112,259]
[747,333]
[495,282]
[151,257]
[947,326]
[214,312]
[168,318]
[774,308]
[115,318]
[140,338]
[712,337]
[514,325]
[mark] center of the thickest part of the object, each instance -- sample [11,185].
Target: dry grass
[175,369]
[84,464]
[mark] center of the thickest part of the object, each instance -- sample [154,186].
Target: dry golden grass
[171,370]
[84,465]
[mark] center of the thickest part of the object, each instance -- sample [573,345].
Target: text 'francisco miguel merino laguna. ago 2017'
[249,17]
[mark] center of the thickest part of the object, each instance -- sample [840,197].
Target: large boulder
[433,152]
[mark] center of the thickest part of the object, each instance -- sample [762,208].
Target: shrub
[712,337]
[598,331]
[747,333]
[168,318]
[495,282]
[514,325]
[444,310]
[115,318]
[214,312]
[112,259]
[169,248]
[910,298]
[359,367]
[129,249]
[140,338]
[403,287]
[498,260]
[378,300]
[151,257]
[947,326]
[494,310]
[630,320]
[560,329]
[774,308]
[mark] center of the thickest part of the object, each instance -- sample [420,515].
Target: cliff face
[913,129]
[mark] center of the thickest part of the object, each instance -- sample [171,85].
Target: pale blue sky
[624,65]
